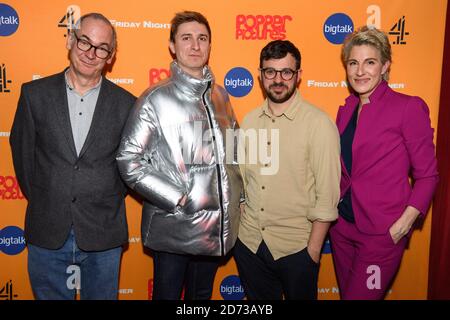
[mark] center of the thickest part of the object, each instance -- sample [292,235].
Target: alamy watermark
[374,280]
[242,147]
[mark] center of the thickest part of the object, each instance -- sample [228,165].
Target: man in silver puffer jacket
[178,151]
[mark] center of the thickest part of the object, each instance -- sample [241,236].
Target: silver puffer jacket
[174,144]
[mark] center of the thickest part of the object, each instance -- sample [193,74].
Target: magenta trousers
[365,264]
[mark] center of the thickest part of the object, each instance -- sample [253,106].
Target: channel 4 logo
[12,240]
[238,82]
[4,80]
[70,18]
[231,288]
[9,20]
[399,31]
[7,291]
[337,27]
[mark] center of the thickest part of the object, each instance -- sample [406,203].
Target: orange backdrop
[240,29]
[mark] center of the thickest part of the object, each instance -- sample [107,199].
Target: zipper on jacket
[219,172]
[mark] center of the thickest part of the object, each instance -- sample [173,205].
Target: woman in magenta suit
[386,138]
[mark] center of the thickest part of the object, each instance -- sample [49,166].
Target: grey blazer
[63,189]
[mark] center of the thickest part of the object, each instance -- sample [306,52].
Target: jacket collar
[375,96]
[104,103]
[187,83]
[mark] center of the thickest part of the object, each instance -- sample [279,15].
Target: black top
[345,206]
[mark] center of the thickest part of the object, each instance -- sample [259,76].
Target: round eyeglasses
[85,45]
[271,73]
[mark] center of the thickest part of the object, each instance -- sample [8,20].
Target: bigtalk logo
[12,240]
[9,20]
[231,288]
[337,27]
[326,249]
[238,82]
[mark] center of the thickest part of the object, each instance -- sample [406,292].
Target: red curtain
[439,271]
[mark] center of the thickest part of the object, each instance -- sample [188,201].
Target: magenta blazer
[393,141]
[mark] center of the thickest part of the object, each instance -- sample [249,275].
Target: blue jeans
[173,271]
[56,274]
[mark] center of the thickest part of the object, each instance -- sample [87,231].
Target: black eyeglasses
[85,45]
[271,73]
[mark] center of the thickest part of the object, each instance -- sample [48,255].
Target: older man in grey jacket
[64,139]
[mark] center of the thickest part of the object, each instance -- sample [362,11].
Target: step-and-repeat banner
[32,45]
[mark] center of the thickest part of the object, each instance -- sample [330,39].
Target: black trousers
[173,271]
[294,276]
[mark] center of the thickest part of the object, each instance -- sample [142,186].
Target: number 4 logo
[399,31]
[70,18]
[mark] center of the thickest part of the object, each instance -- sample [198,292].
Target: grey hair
[99,16]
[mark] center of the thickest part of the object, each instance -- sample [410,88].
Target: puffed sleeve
[137,162]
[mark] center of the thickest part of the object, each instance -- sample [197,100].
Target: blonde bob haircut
[368,35]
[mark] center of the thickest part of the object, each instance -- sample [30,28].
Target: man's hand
[182,201]
[242,207]
[317,237]
[314,254]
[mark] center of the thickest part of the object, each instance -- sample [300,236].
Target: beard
[279,98]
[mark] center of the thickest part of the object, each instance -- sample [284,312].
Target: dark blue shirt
[345,206]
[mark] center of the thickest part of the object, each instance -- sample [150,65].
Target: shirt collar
[70,87]
[290,112]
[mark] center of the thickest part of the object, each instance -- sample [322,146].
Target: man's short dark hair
[278,49]
[187,16]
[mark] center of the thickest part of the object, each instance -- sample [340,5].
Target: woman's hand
[401,227]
